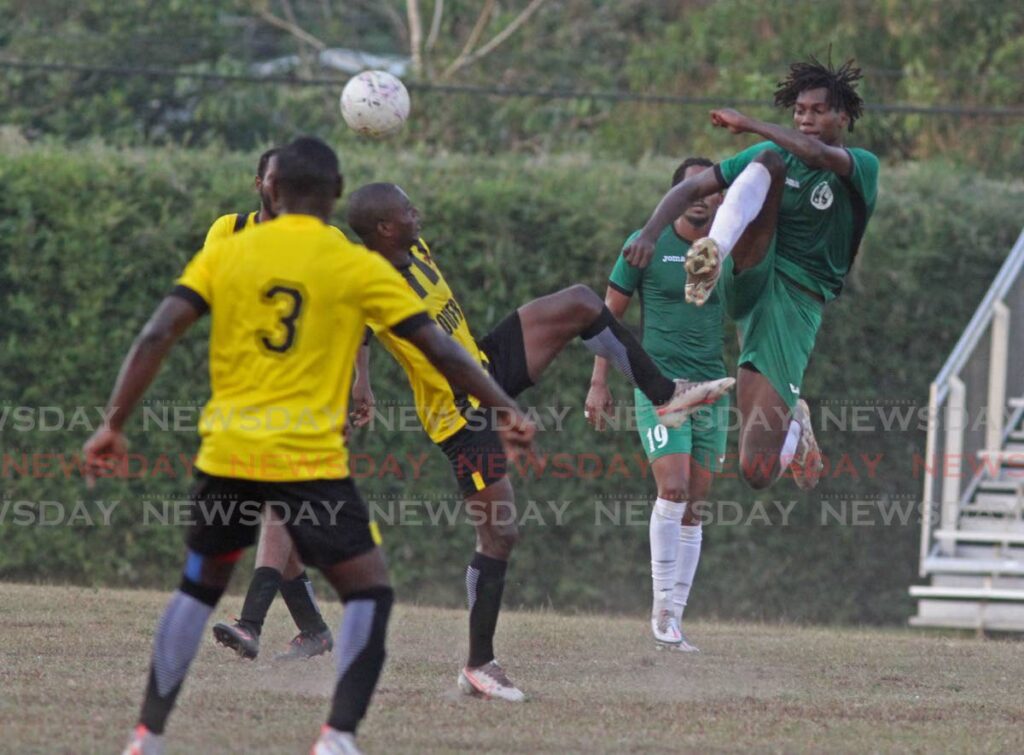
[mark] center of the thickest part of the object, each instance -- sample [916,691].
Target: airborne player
[778,250]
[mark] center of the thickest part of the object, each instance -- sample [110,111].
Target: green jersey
[822,218]
[684,340]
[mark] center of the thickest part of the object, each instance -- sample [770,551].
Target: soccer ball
[374,103]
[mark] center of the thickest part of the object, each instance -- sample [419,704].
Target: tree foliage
[958,52]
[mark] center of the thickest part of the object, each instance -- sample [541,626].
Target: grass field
[73,663]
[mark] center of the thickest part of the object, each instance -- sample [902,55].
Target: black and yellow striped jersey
[227,225]
[438,406]
[289,301]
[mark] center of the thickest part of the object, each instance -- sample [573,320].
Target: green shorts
[702,436]
[777,323]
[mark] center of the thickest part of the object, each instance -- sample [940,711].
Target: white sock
[743,202]
[666,521]
[789,445]
[686,566]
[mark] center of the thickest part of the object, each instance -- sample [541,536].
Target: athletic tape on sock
[606,345]
[354,632]
[610,339]
[360,655]
[472,577]
[177,639]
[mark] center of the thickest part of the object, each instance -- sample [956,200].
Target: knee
[498,542]
[505,542]
[773,163]
[210,573]
[674,490]
[583,300]
[758,479]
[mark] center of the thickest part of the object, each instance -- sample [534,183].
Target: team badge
[821,197]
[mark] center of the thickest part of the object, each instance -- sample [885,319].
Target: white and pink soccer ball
[375,103]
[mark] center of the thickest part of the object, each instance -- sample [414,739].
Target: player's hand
[731,119]
[639,252]
[598,405]
[516,431]
[103,453]
[363,403]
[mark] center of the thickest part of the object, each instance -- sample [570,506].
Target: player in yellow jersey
[277,566]
[516,352]
[226,225]
[289,301]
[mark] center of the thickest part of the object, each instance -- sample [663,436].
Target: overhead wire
[126,71]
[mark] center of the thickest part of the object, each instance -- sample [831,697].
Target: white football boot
[144,742]
[685,646]
[489,681]
[665,627]
[334,742]
[689,396]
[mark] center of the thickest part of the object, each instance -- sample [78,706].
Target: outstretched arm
[599,398]
[638,252]
[813,152]
[171,319]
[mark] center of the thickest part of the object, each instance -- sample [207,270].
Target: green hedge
[90,238]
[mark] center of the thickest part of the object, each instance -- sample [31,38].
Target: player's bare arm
[639,252]
[599,398]
[171,319]
[363,399]
[807,146]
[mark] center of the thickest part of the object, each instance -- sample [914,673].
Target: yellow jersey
[439,406]
[227,225]
[289,301]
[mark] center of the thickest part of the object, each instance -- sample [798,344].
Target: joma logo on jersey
[450,316]
[673,258]
[821,197]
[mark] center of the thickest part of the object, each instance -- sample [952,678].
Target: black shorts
[475,452]
[506,355]
[327,519]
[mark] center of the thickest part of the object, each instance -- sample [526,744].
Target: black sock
[485,582]
[609,338]
[262,590]
[298,596]
[360,655]
[178,636]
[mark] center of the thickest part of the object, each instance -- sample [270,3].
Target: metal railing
[968,403]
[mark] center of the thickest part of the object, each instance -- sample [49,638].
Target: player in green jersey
[687,340]
[781,244]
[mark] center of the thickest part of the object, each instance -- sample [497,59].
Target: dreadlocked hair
[841,85]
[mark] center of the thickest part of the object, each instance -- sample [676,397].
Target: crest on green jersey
[821,197]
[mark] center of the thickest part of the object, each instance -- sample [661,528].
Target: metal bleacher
[972,523]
